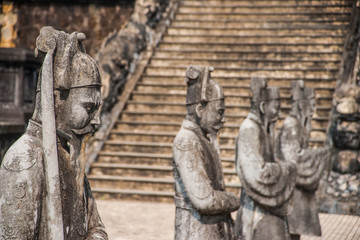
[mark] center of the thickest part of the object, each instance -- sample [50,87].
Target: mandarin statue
[268,184]
[203,206]
[44,192]
[292,144]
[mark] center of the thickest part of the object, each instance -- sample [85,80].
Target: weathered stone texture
[96,20]
[339,193]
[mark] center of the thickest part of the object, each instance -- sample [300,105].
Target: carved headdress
[201,88]
[260,92]
[300,92]
[69,58]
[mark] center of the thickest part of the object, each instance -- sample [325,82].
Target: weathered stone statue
[202,205]
[292,144]
[267,184]
[44,193]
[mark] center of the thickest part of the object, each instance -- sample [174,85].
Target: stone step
[264,2]
[212,31]
[229,131]
[335,39]
[240,98]
[149,159]
[249,63]
[136,183]
[244,62]
[248,72]
[274,81]
[132,170]
[229,88]
[147,125]
[244,71]
[146,184]
[172,46]
[258,23]
[226,137]
[266,15]
[318,122]
[241,54]
[160,106]
[266,9]
[131,194]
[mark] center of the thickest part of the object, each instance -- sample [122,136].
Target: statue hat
[71,64]
[300,92]
[201,88]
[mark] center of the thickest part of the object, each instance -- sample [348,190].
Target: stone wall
[94,18]
[339,193]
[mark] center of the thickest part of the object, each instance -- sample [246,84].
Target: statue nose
[96,119]
[223,120]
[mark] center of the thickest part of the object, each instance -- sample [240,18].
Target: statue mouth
[88,129]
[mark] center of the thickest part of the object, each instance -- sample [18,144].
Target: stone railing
[122,59]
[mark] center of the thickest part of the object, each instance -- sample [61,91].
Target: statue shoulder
[291,126]
[248,129]
[291,122]
[186,140]
[23,154]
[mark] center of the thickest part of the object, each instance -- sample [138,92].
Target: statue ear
[199,110]
[262,107]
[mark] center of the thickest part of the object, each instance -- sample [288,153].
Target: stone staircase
[281,40]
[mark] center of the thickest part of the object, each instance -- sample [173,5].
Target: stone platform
[132,220]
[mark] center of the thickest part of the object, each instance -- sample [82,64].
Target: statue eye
[89,107]
[221,111]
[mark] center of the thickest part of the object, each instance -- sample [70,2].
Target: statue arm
[310,162]
[197,185]
[268,183]
[95,225]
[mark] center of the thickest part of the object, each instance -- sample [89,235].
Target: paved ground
[125,220]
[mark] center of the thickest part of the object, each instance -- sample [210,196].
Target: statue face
[307,107]
[310,107]
[272,110]
[79,113]
[212,116]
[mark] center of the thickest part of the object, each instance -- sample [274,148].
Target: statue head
[265,101]
[204,99]
[76,82]
[303,98]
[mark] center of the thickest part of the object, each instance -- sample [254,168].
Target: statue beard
[83,131]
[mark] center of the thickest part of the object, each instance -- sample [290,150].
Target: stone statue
[268,184]
[202,205]
[292,145]
[44,192]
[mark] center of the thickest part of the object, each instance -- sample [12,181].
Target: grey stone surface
[30,207]
[267,184]
[292,145]
[339,193]
[203,206]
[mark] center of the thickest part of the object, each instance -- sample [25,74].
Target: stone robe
[202,205]
[23,192]
[267,185]
[292,144]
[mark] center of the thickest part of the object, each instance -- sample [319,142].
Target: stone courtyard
[133,220]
